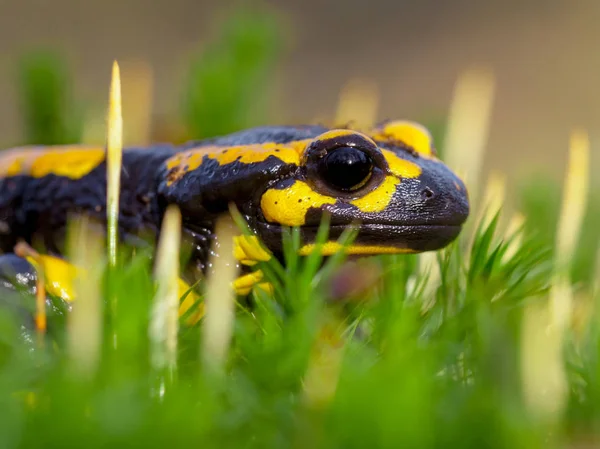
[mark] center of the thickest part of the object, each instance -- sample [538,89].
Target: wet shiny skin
[409,202]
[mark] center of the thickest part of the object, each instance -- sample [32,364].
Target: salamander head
[389,183]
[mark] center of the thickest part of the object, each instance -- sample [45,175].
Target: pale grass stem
[492,202]
[41,319]
[468,125]
[358,103]
[545,385]
[514,231]
[164,321]
[323,370]
[84,325]
[543,378]
[429,268]
[22,249]
[574,203]
[218,323]
[493,198]
[114,159]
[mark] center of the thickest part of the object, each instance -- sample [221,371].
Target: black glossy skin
[426,212]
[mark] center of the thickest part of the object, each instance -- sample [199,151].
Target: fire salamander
[387,179]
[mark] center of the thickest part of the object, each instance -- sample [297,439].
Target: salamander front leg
[58,274]
[17,273]
[18,287]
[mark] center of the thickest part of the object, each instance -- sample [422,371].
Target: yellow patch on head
[248,154]
[331,247]
[190,160]
[379,199]
[401,167]
[288,207]
[71,161]
[409,133]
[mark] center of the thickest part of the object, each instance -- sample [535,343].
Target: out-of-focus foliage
[540,197]
[50,116]
[228,84]
[399,374]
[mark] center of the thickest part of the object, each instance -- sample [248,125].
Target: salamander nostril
[427,193]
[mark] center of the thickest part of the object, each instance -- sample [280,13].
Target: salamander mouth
[403,238]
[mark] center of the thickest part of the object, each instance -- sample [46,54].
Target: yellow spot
[332,247]
[248,250]
[59,275]
[191,299]
[409,133]
[31,399]
[258,153]
[341,133]
[266,286]
[401,167]
[15,167]
[190,160]
[378,199]
[73,162]
[289,206]
[244,284]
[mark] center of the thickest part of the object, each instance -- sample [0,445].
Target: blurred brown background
[544,55]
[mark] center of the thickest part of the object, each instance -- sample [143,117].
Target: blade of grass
[468,125]
[220,298]
[113,166]
[574,203]
[84,324]
[164,321]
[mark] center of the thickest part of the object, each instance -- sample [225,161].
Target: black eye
[346,168]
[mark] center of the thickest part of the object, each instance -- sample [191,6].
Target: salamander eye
[343,163]
[346,168]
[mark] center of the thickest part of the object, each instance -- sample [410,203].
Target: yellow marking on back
[72,162]
[331,247]
[378,199]
[288,207]
[189,160]
[409,133]
[401,167]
